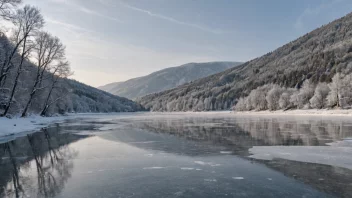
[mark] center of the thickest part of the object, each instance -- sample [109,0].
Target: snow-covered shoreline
[17,126]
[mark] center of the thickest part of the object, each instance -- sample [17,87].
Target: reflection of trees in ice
[39,164]
[317,166]
[252,131]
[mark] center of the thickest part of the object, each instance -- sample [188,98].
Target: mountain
[166,79]
[317,56]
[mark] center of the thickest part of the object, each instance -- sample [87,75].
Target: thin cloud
[173,20]
[67,25]
[86,10]
[92,12]
[75,30]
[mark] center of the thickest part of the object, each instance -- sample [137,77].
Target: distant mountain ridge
[166,79]
[317,56]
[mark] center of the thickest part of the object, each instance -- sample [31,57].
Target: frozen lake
[182,155]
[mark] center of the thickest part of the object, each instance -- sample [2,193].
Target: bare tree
[7,7]
[7,51]
[48,50]
[10,50]
[59,72]
[27,21]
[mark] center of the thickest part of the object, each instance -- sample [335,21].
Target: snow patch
[155,167]
[206,163]
[18,125]
[186,168]
[238,178]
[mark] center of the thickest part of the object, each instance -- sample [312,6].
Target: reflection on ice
[36,165]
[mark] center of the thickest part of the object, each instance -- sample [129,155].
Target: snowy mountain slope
[317,56]
[166,79]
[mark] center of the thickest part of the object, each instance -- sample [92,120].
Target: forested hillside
[166,79]
[34,70]
[315,57]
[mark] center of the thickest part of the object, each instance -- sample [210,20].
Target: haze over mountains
[317,56]
[166,79]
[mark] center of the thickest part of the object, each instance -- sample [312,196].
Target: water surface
[182,155]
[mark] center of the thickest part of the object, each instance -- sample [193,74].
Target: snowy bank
[16,126]
[320,112]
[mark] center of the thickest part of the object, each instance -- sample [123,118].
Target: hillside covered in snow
[314,58]
[166,79]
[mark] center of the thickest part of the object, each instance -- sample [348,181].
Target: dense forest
[310,61]
[34,70]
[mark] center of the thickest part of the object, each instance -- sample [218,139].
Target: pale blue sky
[115,40]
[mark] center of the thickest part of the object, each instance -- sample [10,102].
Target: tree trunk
[7,65]
[19,70]
[46,104]
[34,90]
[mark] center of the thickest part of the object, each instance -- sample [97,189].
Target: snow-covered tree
[257,98]
[285,98]
[273,97]
[318,101]
[336,90]
[27,20]
[7,7]
[305,94]
[59,71]
[47,50]
[340,91]
[241,105]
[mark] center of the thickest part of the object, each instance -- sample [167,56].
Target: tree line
[336,94]
[27,51]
